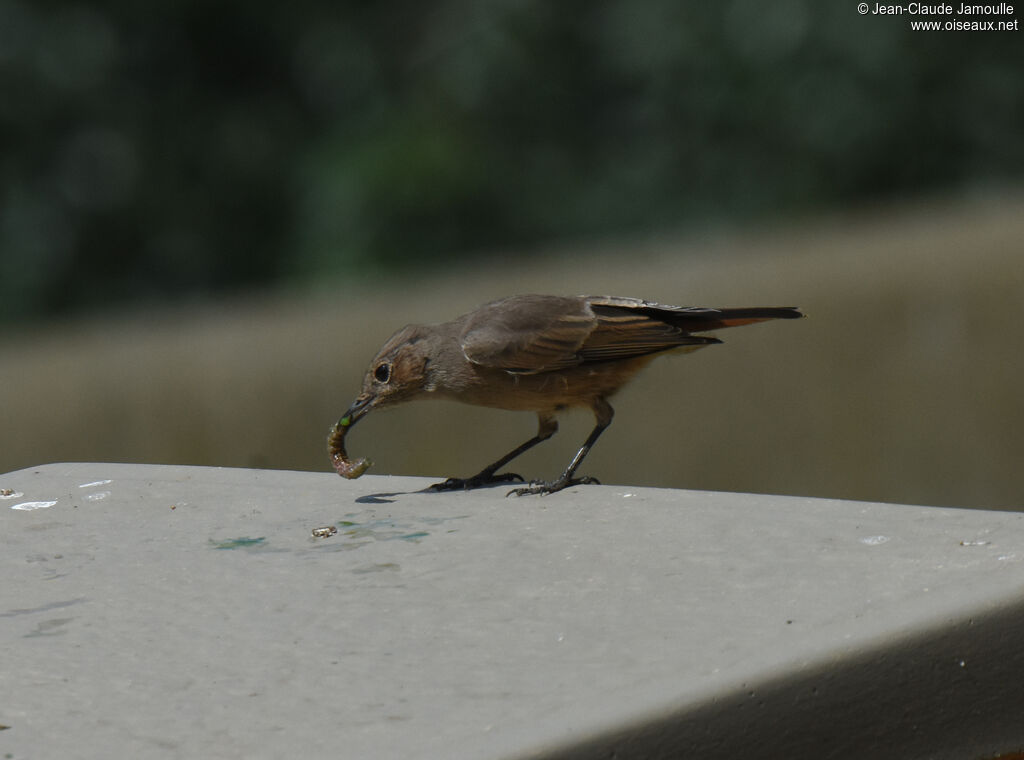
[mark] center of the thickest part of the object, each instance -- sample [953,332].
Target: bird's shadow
[381,498]
[389,497]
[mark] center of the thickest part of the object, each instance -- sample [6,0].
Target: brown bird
[533,353]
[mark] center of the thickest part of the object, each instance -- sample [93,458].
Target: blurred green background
[211,214]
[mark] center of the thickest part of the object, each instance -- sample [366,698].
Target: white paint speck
[874,540]
[11,495]
[98,496]
[95,483]
[27,506]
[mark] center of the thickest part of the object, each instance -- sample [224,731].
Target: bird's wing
[629,327]
[533,334]
[528,334]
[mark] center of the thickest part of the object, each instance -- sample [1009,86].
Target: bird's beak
[360,407]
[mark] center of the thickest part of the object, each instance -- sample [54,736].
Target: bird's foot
[543,489]
[477,481]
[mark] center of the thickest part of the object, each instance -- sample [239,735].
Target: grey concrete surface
[185,612]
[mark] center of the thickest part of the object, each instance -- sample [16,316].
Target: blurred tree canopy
[152,150]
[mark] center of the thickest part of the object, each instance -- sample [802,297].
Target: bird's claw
[477,481]
[540,488]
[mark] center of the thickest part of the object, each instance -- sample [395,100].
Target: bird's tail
[737,317]
[700,320]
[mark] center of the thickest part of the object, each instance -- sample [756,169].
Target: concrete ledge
[164,612]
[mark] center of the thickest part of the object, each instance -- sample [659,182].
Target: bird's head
[397,373]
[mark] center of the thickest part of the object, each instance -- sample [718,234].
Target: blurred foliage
[160,149]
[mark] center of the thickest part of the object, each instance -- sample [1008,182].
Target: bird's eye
[382,373]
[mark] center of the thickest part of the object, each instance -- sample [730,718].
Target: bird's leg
[603,412]
[547,427]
